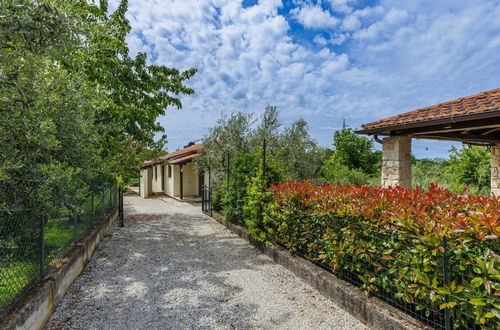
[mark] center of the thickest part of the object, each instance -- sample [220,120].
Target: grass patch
[14,277]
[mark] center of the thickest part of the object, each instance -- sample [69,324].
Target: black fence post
[446,283]
[42,246]
[120,205]
[210,199]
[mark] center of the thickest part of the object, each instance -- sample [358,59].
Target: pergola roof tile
[485,102]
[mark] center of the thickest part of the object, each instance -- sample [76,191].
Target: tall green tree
[72,99]
[470,167]
[353,160]
[300,152]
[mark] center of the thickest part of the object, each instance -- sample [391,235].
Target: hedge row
[391,242]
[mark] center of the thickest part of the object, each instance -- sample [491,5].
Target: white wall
[190,180]
[145,182]
[169,181]
[157,182]
[190,176]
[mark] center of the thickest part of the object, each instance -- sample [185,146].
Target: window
[169,171]
[156,173]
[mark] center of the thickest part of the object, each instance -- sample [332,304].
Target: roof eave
[385,130]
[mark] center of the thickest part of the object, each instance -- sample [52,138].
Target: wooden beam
[491,131]
[460,137]
[450,128]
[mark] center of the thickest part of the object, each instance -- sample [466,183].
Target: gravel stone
[172,267]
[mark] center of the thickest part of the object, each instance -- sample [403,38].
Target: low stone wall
[372,311]
[33,311]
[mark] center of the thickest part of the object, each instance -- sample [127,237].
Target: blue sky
[319,60]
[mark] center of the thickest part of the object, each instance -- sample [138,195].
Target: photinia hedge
[425,251]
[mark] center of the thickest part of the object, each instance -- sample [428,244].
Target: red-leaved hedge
[435,212]
[392,241]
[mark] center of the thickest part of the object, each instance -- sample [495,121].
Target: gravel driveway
[173,268]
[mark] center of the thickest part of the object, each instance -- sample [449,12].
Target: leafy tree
[234,189]
[73,102]
[426,171]
[355,151]
[470,167]
[268,129]
[353,159]
[231,135]
[300,153]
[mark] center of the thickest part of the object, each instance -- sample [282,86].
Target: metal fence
[390,270]
[206,199]
[30,243]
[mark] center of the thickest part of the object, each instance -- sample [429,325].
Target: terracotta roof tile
[176,156]
[488,101]
[183,159]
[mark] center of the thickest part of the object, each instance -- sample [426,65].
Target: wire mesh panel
[20,253]
[29,242]
[426,279]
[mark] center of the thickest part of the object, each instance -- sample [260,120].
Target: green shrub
[259,199]
[389,241]
[233,191]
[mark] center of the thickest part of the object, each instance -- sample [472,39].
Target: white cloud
[342,6]
[314,17]
[396,56]
[351,23]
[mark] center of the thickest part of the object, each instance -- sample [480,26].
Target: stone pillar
[495,170]
[396,165]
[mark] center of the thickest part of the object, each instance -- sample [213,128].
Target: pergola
[472,120]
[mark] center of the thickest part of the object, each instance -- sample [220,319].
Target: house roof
[464,116]
[176,157]
[182,160]
[183,152]
[475,104]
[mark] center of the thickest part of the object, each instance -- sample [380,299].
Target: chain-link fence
[406,272]
[30,243]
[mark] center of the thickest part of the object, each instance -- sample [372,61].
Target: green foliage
[470,167]
[292,146]
[234,190]
[300,153]
[259,197]
[333,172]
[426,171]
[356,152]
[353,159]
[73,102]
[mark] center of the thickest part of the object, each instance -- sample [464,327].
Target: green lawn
[14,277]
[59,234]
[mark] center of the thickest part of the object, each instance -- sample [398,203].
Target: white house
[174,174]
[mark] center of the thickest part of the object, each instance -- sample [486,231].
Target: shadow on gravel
[163,271]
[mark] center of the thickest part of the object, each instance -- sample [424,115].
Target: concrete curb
[372,311]
[34,310]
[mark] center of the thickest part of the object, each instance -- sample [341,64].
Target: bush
[259,198]
[337,173]
[390,242]
[233,191]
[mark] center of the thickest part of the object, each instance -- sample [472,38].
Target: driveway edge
[34,310]
[371,311]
